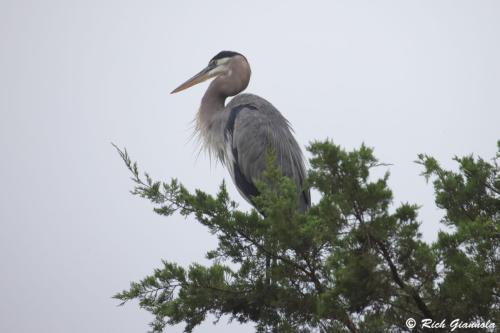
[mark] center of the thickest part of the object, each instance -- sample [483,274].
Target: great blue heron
[240,133]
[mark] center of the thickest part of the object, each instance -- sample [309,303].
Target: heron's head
[224,63]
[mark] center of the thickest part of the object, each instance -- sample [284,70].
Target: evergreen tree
[353,263]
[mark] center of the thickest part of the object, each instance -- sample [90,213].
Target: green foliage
[470,254]
[352,263]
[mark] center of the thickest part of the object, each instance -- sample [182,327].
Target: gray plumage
[240,133]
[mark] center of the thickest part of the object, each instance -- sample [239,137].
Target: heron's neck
[209,122]
[211,103]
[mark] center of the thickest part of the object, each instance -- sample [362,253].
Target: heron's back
[254,125]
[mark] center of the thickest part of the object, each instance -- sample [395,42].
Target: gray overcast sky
[403,77]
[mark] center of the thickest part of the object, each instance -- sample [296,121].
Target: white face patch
[217,70]
[220,67]
[222,61]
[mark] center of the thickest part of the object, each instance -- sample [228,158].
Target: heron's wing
[254,126]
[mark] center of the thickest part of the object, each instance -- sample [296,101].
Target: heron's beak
[207,73]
